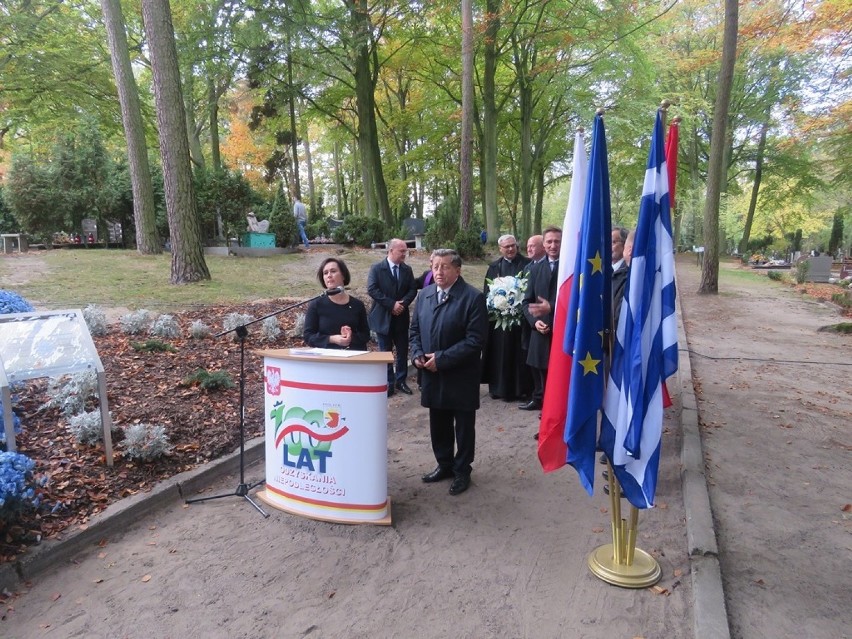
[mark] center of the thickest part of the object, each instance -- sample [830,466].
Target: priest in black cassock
[504,361]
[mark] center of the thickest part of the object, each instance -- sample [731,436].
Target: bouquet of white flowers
[505,295]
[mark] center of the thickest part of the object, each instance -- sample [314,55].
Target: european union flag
[589,314]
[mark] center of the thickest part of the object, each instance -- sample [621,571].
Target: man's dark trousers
[442,430]
[398,339]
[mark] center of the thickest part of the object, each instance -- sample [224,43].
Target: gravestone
[413,226]
[820,268]
[90,227]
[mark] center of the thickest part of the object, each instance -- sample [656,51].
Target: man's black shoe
[403,388]
[437,475]
[530,405]
[460,484]
[391,391]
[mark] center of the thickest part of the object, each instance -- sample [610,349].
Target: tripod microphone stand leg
[243,488]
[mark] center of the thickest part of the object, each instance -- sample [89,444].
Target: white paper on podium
[326,352]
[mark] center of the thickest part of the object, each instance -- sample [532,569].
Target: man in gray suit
[391,285]
[448,332]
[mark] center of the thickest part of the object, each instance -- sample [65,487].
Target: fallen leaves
[146,579]
[143,388]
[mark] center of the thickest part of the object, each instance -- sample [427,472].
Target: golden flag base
[643,572]
[621,563]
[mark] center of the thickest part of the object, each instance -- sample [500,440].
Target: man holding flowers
[504,361]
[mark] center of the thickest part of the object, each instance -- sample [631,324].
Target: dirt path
[776,420]
[505,559]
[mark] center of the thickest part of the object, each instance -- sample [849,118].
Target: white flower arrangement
[505,295]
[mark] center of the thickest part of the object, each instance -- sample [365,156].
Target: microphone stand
[241,332]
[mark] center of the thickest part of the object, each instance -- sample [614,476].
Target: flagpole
[621,563]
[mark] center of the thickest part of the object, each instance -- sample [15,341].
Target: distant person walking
[300,212]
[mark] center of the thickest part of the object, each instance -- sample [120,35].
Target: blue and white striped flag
[645,350]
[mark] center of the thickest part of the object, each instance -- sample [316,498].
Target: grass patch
[123,278]
[217,380]
[153,346]
[843,327]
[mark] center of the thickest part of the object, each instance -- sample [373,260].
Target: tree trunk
[466,155]
[373,179]
[489,125]
[213,110]
[144,215]
[195,152]
[716,169]
[294,135]
[755,188]
[188,263]
[311,194]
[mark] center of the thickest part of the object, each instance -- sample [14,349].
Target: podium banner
[326,436]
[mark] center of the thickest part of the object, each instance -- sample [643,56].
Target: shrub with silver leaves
[71,392]
[298,327]
[165,326]
[199,330]
[87,428]
[95,319]
[269,329]
[135,322]
[232,320]
[146,441]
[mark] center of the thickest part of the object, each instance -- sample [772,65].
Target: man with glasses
[447,334]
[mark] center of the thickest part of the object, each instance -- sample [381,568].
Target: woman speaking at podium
[336,320]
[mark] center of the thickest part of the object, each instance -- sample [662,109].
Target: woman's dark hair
[340,264]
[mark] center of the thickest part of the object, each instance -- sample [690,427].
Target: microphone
[337,290]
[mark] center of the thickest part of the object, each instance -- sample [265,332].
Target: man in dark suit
[448,331]
[504,361]
[391,285]
[539,303]
[620,264]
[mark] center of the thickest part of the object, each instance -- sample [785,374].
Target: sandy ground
[776,421]
[508,558]
[505,559]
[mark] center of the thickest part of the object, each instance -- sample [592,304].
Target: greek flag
[645,350]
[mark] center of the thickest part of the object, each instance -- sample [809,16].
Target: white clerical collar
[617,265]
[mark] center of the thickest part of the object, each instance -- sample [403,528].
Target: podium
[326,434]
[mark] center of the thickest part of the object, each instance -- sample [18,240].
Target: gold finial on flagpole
[580,129]
[600,111]
[665,104]
[676,119]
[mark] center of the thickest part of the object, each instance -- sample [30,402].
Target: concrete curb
[710,616]
[120,515]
